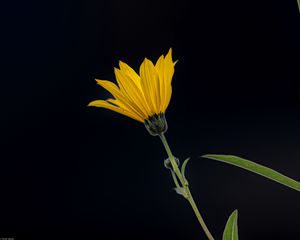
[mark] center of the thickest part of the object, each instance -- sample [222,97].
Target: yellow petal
[110,86]
[131,73]
[107,105]
[159,66]
[116,92]
[132,93]
[136,89]
[169,66]
[168,75]
[150,85]
[127,71]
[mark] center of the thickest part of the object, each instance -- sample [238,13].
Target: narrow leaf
[256,168]
[184,166]
[231,228]
[298,1]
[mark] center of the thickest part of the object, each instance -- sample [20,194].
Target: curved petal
[116,92]
[150,85]
[132,92]
[131,73]
[159,66]
[107,105]
[168,75]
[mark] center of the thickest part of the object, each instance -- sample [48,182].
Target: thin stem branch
[175,179]
[184,184]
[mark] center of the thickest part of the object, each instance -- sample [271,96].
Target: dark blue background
[68,171]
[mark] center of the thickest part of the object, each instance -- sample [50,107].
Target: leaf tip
[235,213]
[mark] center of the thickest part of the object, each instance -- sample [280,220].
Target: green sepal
[231,228]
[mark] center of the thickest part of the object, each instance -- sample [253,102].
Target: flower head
[144,96]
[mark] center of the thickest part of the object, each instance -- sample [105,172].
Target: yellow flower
[143,97]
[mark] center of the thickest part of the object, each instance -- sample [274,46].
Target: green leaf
[298,1]
[183,167]
[256,168]
[231,228]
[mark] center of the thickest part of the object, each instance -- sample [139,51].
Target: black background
[68,171]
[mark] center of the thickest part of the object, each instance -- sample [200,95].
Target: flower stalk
[176,173]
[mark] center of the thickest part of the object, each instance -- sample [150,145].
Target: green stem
[184,184]
[175,179]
